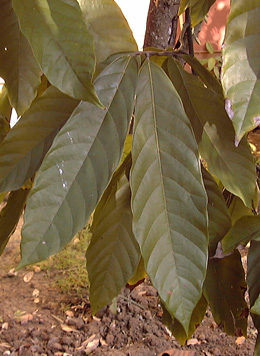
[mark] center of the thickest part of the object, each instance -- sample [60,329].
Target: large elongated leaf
[219,216]
[233,165]
[113,254]
[241,69]
[169,200]
[18,66]
[224,289]
[244,230]
[79,164]
[108,27]
[10,214]
[253,281]
[61,44]
[26,144]
[198,9]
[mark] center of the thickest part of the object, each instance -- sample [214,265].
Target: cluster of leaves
[73,74]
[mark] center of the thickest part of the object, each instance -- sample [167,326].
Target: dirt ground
[37,319]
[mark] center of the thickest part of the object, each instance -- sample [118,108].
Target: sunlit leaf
[5,107]
[224,289]
[10,214]
[238,209]
[108,27]
[24,147]
[79,165]
[218,214]
[18,66]
[113,253]
[244,230]
[253,282]
[198,9]
[61,43]
[241,69]
[234,166]
[139,275]
[169,200]
[177,329]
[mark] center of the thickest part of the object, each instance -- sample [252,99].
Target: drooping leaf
[175,326]
[62,44]
[218,214]
[26,144]
[244,230]
[113,253]
[108,27]
[253,281]
[224,289]
[139,275]
[79,165]
[234,166]
[238,209]
[241,66]
[208,79]
[18,66]
[10,214]
[198,9]
[169,200]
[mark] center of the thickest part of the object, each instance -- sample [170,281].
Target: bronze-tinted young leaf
[234,166]
[169,199]
[25,145]
[175,326]
[18,66]
[61,43]
[253,281]
[224,289]
[244,230]
[241,66]
[10,214]
[113,253]
[109,28]
[198,9]
[218,214]
[79,165]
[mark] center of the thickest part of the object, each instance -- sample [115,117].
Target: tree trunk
[161,23]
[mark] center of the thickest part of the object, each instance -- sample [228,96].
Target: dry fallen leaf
[176,352]
[5,326]
[5,344]
[68,329]
[69,313]
[240,340]
[26,318]
[36,293]
[28,276]
[36,300]
[91,346]
[36,269]
[193,342]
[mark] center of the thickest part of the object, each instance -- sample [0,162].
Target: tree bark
[161,23]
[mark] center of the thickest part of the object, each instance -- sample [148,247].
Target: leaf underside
[61,43]
[198,9]
[241,69]
[169,204]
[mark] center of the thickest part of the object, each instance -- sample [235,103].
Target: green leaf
[209,47]
[5,107]
[169,200]
[208,79]
[256,307]
[218,214]
[244,230]
[24,147]
[18,66]
[10,214]
[61,43]
[113,253]
[211,63]
[224,289]
[241,69]
[79,165]
[109,28]
[234,166]
[198,8]
[253,282]
[177,329]
[238,209]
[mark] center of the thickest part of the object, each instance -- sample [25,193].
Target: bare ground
[36,318]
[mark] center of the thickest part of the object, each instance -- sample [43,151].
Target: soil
[36,318]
